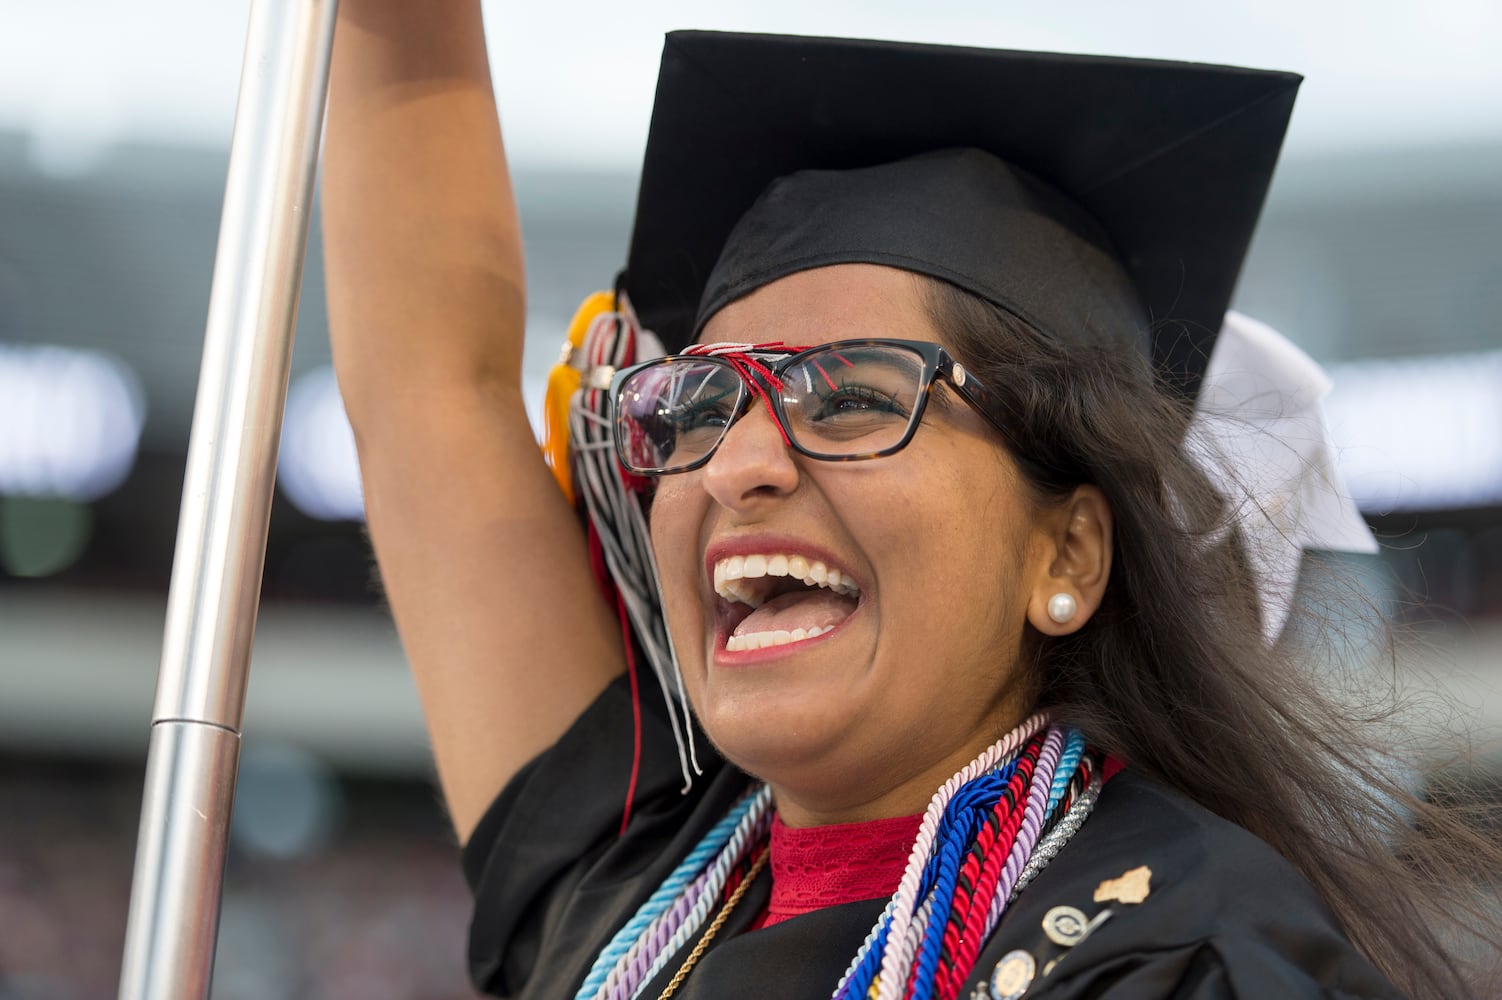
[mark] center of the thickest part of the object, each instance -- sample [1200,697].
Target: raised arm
[482,560]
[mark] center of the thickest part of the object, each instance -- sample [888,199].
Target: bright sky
[576,78]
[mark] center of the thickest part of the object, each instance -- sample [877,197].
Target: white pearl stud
[1061,608]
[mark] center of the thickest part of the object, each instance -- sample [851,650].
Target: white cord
[615,510]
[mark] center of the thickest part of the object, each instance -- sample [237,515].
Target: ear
[1071,557]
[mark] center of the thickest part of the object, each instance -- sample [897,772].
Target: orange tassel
[563,382]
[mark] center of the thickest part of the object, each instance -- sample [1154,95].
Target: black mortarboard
[1169,162]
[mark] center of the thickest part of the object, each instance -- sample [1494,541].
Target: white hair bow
[1259,431]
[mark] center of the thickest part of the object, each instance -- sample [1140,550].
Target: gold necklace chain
[714,927]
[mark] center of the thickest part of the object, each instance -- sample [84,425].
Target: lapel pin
[1012,975]
[1131,887]
[1065,926]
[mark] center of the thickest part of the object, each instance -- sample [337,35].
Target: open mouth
[775,599]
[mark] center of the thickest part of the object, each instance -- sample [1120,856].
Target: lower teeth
[761,640]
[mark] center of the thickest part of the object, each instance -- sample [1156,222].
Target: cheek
[668,518]
[975,530]
[672,526]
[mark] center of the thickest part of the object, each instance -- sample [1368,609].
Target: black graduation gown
[553,880]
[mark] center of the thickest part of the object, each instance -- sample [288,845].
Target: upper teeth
[729,574]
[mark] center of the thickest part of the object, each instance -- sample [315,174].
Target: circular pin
[1065,926]
[958,374]
[1012,975]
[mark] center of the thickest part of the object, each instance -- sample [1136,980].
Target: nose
[752,462]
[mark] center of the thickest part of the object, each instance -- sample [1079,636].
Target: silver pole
[221,537]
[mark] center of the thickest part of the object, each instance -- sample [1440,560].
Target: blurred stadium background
[1378,252]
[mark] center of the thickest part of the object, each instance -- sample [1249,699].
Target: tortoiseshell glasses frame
[844,401]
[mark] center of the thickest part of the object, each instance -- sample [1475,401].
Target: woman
[922,521]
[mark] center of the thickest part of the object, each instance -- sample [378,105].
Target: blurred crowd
[376,913]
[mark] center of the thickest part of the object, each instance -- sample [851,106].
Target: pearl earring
[1061,608]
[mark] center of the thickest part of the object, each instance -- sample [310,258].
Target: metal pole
[221,539]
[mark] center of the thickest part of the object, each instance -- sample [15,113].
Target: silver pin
[1065,926]
[1012,975]
[958,374]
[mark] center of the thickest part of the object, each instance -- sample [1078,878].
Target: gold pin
[1065,926]
[1130,887]
[1012,975]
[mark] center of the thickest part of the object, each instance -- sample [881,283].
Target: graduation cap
[1109,193]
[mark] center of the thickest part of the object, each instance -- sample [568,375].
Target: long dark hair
[1173,674]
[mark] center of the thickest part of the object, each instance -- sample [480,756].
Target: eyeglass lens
[837,402]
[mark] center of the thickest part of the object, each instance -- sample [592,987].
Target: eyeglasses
[839,402]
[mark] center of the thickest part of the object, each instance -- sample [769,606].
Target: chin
[782,748]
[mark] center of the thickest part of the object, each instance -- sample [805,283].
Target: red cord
[982,873]
[741,358]
[620,606]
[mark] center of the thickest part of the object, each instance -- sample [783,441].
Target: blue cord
[713,843]
[957,827]
[1069,762]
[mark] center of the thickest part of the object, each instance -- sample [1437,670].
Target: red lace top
[823,866]
[827,865]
